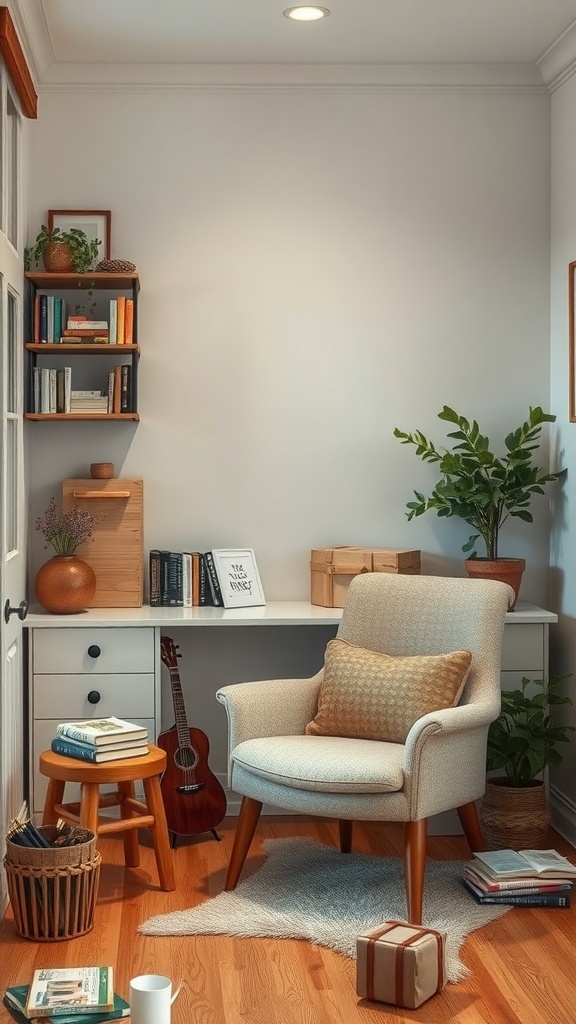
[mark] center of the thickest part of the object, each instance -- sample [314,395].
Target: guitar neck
[179,707]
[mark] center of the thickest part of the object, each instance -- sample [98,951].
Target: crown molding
[392,77]
[558,63]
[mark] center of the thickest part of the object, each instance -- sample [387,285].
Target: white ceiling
[66,34]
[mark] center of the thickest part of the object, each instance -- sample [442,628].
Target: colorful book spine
[44,319]
[552,899]
[120,317]
[70,748]
[57,330]
[520,885]
[129,322]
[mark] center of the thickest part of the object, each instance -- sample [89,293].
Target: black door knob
[21,611]
[93,697]
[94,651]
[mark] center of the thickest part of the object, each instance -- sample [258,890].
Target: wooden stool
[134,814]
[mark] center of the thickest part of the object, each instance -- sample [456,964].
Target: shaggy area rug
[309,891]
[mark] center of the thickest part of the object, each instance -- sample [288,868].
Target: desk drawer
[66,650]
[65,697]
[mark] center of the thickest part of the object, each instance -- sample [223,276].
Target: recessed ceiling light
[306,13]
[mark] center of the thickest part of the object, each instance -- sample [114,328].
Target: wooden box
[402,964]
[332,569]
[116,549]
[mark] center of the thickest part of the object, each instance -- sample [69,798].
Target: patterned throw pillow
[374,696]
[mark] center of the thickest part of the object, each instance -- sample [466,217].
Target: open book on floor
[529,863]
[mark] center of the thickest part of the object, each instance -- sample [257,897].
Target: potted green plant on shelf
[523,741]
[65,252]
[482,488]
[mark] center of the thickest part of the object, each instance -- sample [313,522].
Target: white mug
[150,999]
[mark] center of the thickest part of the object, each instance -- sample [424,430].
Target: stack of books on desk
[100,739]
[532,878]
[68,995]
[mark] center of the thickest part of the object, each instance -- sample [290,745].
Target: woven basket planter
[53,891]
[514,818]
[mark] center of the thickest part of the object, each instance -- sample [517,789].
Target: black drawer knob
[94,651]
[93,697]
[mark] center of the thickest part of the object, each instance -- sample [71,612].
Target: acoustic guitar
[194,799]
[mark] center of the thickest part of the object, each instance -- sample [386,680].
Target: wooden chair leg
[415,867]
[89,805]
[159,833]
[471,826]
[54,795]
[130,835]
[245,829]
[345,832]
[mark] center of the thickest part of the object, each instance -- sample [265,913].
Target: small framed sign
[238,577]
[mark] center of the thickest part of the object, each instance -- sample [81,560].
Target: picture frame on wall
[97,224]
[238,577]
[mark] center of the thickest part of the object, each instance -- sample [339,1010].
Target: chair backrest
[408,615]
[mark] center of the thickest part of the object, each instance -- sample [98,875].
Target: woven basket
[53,891]
[514,818]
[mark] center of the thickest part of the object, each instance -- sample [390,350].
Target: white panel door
[13,522]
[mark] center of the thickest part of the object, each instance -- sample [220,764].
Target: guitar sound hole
[186,758]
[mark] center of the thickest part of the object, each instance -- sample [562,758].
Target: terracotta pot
[65,584]
[507,570]
[57,258]
[515,818]
[101,470]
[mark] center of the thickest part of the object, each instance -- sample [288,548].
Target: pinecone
[115,266]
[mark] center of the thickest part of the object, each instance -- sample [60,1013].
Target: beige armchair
[442,762]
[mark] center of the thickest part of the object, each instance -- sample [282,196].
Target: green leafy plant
[65,531]
[478,486]
[523,740]
[83,250]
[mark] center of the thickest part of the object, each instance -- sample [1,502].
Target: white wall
[317,267]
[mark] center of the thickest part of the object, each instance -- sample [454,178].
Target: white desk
[126,673]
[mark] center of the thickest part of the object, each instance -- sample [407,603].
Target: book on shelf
[213,581]
[154,559]
[16,997]
[524,884]
[85,332]
[112,330]
[516,899]
[129,322]
[101,731]
[187,579]
[500,864]
[65,989]
[125,388]
[120,317]
[78,323]
[97,755]
[36,320]
[43,319]
[171,595]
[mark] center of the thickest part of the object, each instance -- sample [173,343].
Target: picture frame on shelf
[97,224]
[238,577]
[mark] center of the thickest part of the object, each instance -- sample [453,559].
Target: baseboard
[563,812]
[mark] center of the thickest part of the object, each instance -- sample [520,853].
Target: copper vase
[65,584]
[515,818]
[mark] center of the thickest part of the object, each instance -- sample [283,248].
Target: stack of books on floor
[68,995]
[532,878]
[100,739]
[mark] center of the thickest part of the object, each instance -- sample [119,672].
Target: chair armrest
[269,707]
[463,718]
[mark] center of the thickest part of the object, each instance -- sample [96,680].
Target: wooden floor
[523,967]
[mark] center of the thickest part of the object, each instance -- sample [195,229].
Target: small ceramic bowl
[102,470]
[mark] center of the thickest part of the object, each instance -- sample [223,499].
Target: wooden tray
[116,548]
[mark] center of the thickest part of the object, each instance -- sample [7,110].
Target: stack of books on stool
[100,739]
[532,878]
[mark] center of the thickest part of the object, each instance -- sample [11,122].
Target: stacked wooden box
[333,569]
